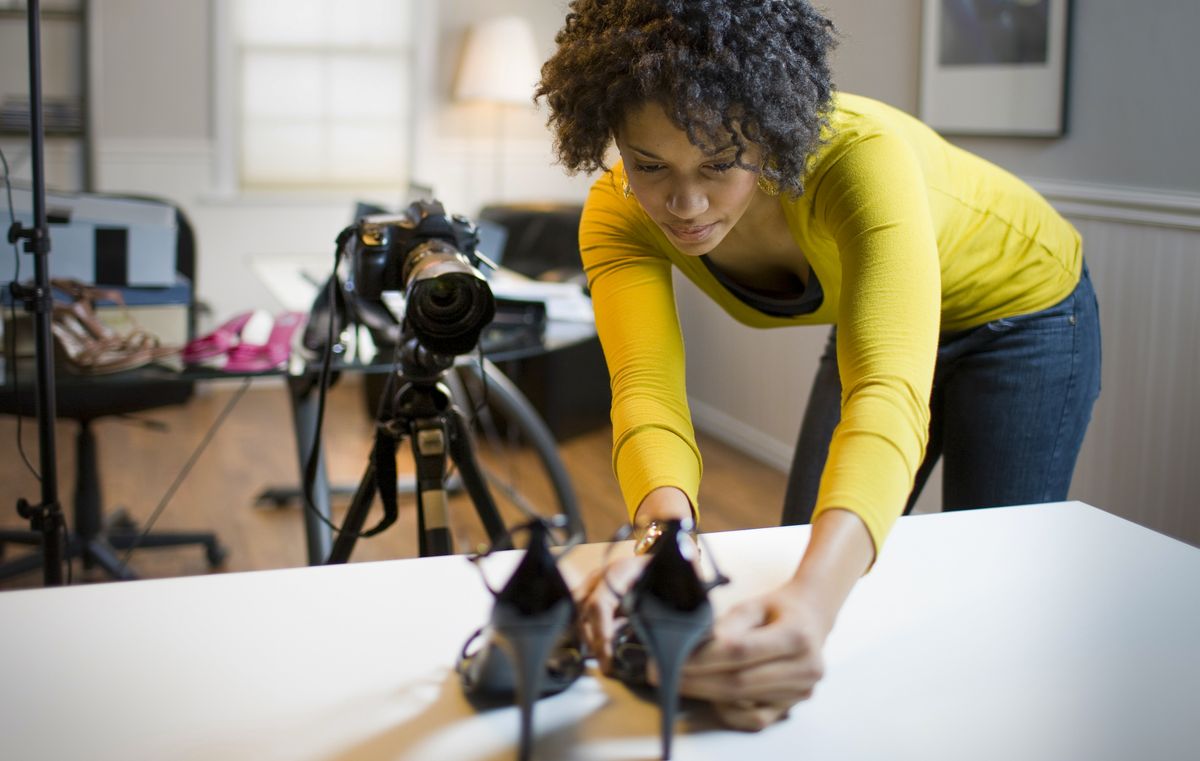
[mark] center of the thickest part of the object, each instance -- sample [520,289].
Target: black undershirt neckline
[807,301]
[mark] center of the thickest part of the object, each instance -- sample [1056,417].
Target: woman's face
[695,197]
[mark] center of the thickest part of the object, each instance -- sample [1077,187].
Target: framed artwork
[995,67]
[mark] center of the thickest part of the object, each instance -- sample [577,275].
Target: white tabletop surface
[1043,632]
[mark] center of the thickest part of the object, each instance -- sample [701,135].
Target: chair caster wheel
[216,555]
[121,522]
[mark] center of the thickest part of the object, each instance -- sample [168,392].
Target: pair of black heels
[531,649]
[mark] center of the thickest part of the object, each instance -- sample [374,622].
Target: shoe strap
[702,547]
[461,667]
[505,542]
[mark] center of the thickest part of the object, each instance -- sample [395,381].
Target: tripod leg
[356,516]
[462,451]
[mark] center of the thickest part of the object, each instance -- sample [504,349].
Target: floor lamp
[500,68]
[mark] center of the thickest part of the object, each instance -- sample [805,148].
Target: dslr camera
[432,259]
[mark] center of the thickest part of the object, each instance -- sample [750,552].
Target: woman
[964,321]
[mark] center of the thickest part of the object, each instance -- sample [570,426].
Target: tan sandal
[87,346]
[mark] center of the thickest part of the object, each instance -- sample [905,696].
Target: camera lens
[447,302]
[427,254]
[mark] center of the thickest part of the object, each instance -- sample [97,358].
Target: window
[316,93]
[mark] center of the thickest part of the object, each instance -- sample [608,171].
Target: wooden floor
[255,449]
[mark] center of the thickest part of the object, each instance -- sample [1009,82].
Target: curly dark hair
[723,70]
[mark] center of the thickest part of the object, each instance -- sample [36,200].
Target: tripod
[422,409]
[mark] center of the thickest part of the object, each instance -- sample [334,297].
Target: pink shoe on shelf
[265,345]
[217,342]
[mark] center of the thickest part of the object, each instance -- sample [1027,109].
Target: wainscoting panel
[1141,458]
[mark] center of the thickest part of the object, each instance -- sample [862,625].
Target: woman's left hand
[764,657]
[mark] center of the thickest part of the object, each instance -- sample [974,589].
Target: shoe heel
[669,638]
[528,642]
[528,653]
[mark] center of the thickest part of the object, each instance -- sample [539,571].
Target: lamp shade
[500,62]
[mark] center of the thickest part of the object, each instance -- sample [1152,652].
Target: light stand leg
[318,537]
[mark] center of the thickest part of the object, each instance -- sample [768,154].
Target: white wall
[153,78]
[1128,176]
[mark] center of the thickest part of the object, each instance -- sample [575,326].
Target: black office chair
[568,387]
[90,538]
[542,241]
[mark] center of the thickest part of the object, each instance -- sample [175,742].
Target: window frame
[226,109]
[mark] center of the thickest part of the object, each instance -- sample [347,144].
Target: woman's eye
[647,167]
[722,167]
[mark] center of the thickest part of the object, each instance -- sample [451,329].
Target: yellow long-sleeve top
[907,236]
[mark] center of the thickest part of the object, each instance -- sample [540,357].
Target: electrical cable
[185,470]
[12,307]
[313,458]
[65,531]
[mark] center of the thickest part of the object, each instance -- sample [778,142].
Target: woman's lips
[691,233]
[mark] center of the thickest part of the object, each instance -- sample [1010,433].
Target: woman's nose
[687,200]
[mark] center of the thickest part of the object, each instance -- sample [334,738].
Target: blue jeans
[1010,404]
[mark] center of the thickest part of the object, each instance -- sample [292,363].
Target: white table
[1043,632]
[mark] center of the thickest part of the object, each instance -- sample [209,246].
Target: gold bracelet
[645,537]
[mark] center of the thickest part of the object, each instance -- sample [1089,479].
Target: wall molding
[161,151]
[1115,203]
[741,436]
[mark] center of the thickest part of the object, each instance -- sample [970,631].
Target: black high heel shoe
[669,616]
[530,648]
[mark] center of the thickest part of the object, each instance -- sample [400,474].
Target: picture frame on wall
[995,67]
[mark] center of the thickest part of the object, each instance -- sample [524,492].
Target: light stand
[45,517]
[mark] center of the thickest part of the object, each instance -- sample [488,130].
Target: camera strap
[383,457]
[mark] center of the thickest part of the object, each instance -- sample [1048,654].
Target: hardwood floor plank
[255,449]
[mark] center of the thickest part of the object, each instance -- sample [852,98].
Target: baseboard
[741,436]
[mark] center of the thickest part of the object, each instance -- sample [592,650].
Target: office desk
[1036,633]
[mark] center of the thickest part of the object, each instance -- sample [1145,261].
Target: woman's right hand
[599,604]
[598,598]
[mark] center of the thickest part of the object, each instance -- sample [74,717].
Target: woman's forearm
[664,503]
[838,554]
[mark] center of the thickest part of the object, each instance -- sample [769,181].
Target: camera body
[430,257]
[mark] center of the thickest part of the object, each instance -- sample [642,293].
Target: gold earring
[767,186]
[628,191]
